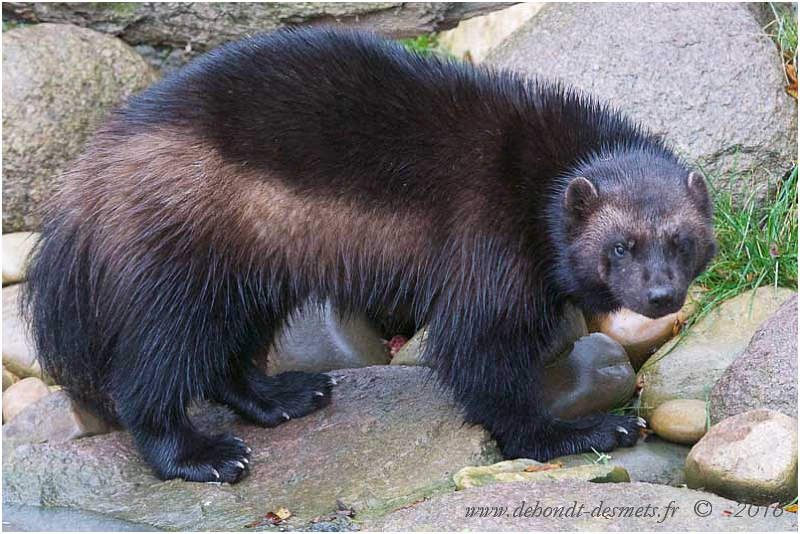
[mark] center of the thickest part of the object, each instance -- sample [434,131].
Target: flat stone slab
[502,507]
[389,438]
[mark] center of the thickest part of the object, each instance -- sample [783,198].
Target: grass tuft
[422,44]
[757,245]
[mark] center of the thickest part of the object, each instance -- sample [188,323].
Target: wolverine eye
[620,250]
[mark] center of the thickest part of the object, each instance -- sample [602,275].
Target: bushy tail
[58,304]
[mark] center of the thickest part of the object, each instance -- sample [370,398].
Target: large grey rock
[389,438]
[750,457]
[650,460]
[704,75]
[765,375]
[59,81]
[319,339]
[199,26]
[688,367]
[502,507]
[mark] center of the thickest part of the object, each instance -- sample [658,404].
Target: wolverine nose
[660,296]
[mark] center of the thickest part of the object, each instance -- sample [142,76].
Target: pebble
[16,249]
[680,421]
[22,394]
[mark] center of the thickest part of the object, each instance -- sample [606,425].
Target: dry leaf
[791,508]
[283,513]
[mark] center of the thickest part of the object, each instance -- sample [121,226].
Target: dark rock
[594,376]
[765,375]
[389,438]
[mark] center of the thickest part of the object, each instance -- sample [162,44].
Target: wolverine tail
[58,305]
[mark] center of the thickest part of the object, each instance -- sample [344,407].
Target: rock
[319,339]
[573,505]
[19,354]
[411,353]
[750,457]
[197,26]
[22,394]
[765,375]
[680,421]
[687,367]
[472,39]
[8,378]
[59,81]
[651,460]
[594,377]
[54,418]
[640,336]
[389,438]
[524,470]
[682,70]
[16,249]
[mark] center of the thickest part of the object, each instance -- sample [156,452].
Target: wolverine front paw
[220,458]
[600,433]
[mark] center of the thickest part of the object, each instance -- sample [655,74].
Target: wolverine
[328,164]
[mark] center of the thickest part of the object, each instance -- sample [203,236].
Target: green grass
[784,31]
[422,44]
[757,245]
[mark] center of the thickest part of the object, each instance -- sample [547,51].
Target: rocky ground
[391,452]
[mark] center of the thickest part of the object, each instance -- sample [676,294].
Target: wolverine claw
[641,422]
[215,472]
[248,450]
[621,430]
[319,394]
[332,381]
[285,416]
[240,465]
[240,440]
[245,460]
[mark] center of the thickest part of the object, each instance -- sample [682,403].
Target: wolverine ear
[698,192]
[580,198]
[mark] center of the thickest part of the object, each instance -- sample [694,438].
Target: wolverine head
[638,230]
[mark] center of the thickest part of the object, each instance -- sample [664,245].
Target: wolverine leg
[496,377]
[271,400]
[173,347]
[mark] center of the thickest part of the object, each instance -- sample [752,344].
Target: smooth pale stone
[17,247]
[19,355]
[750,458]
[680,421]
[22,394]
